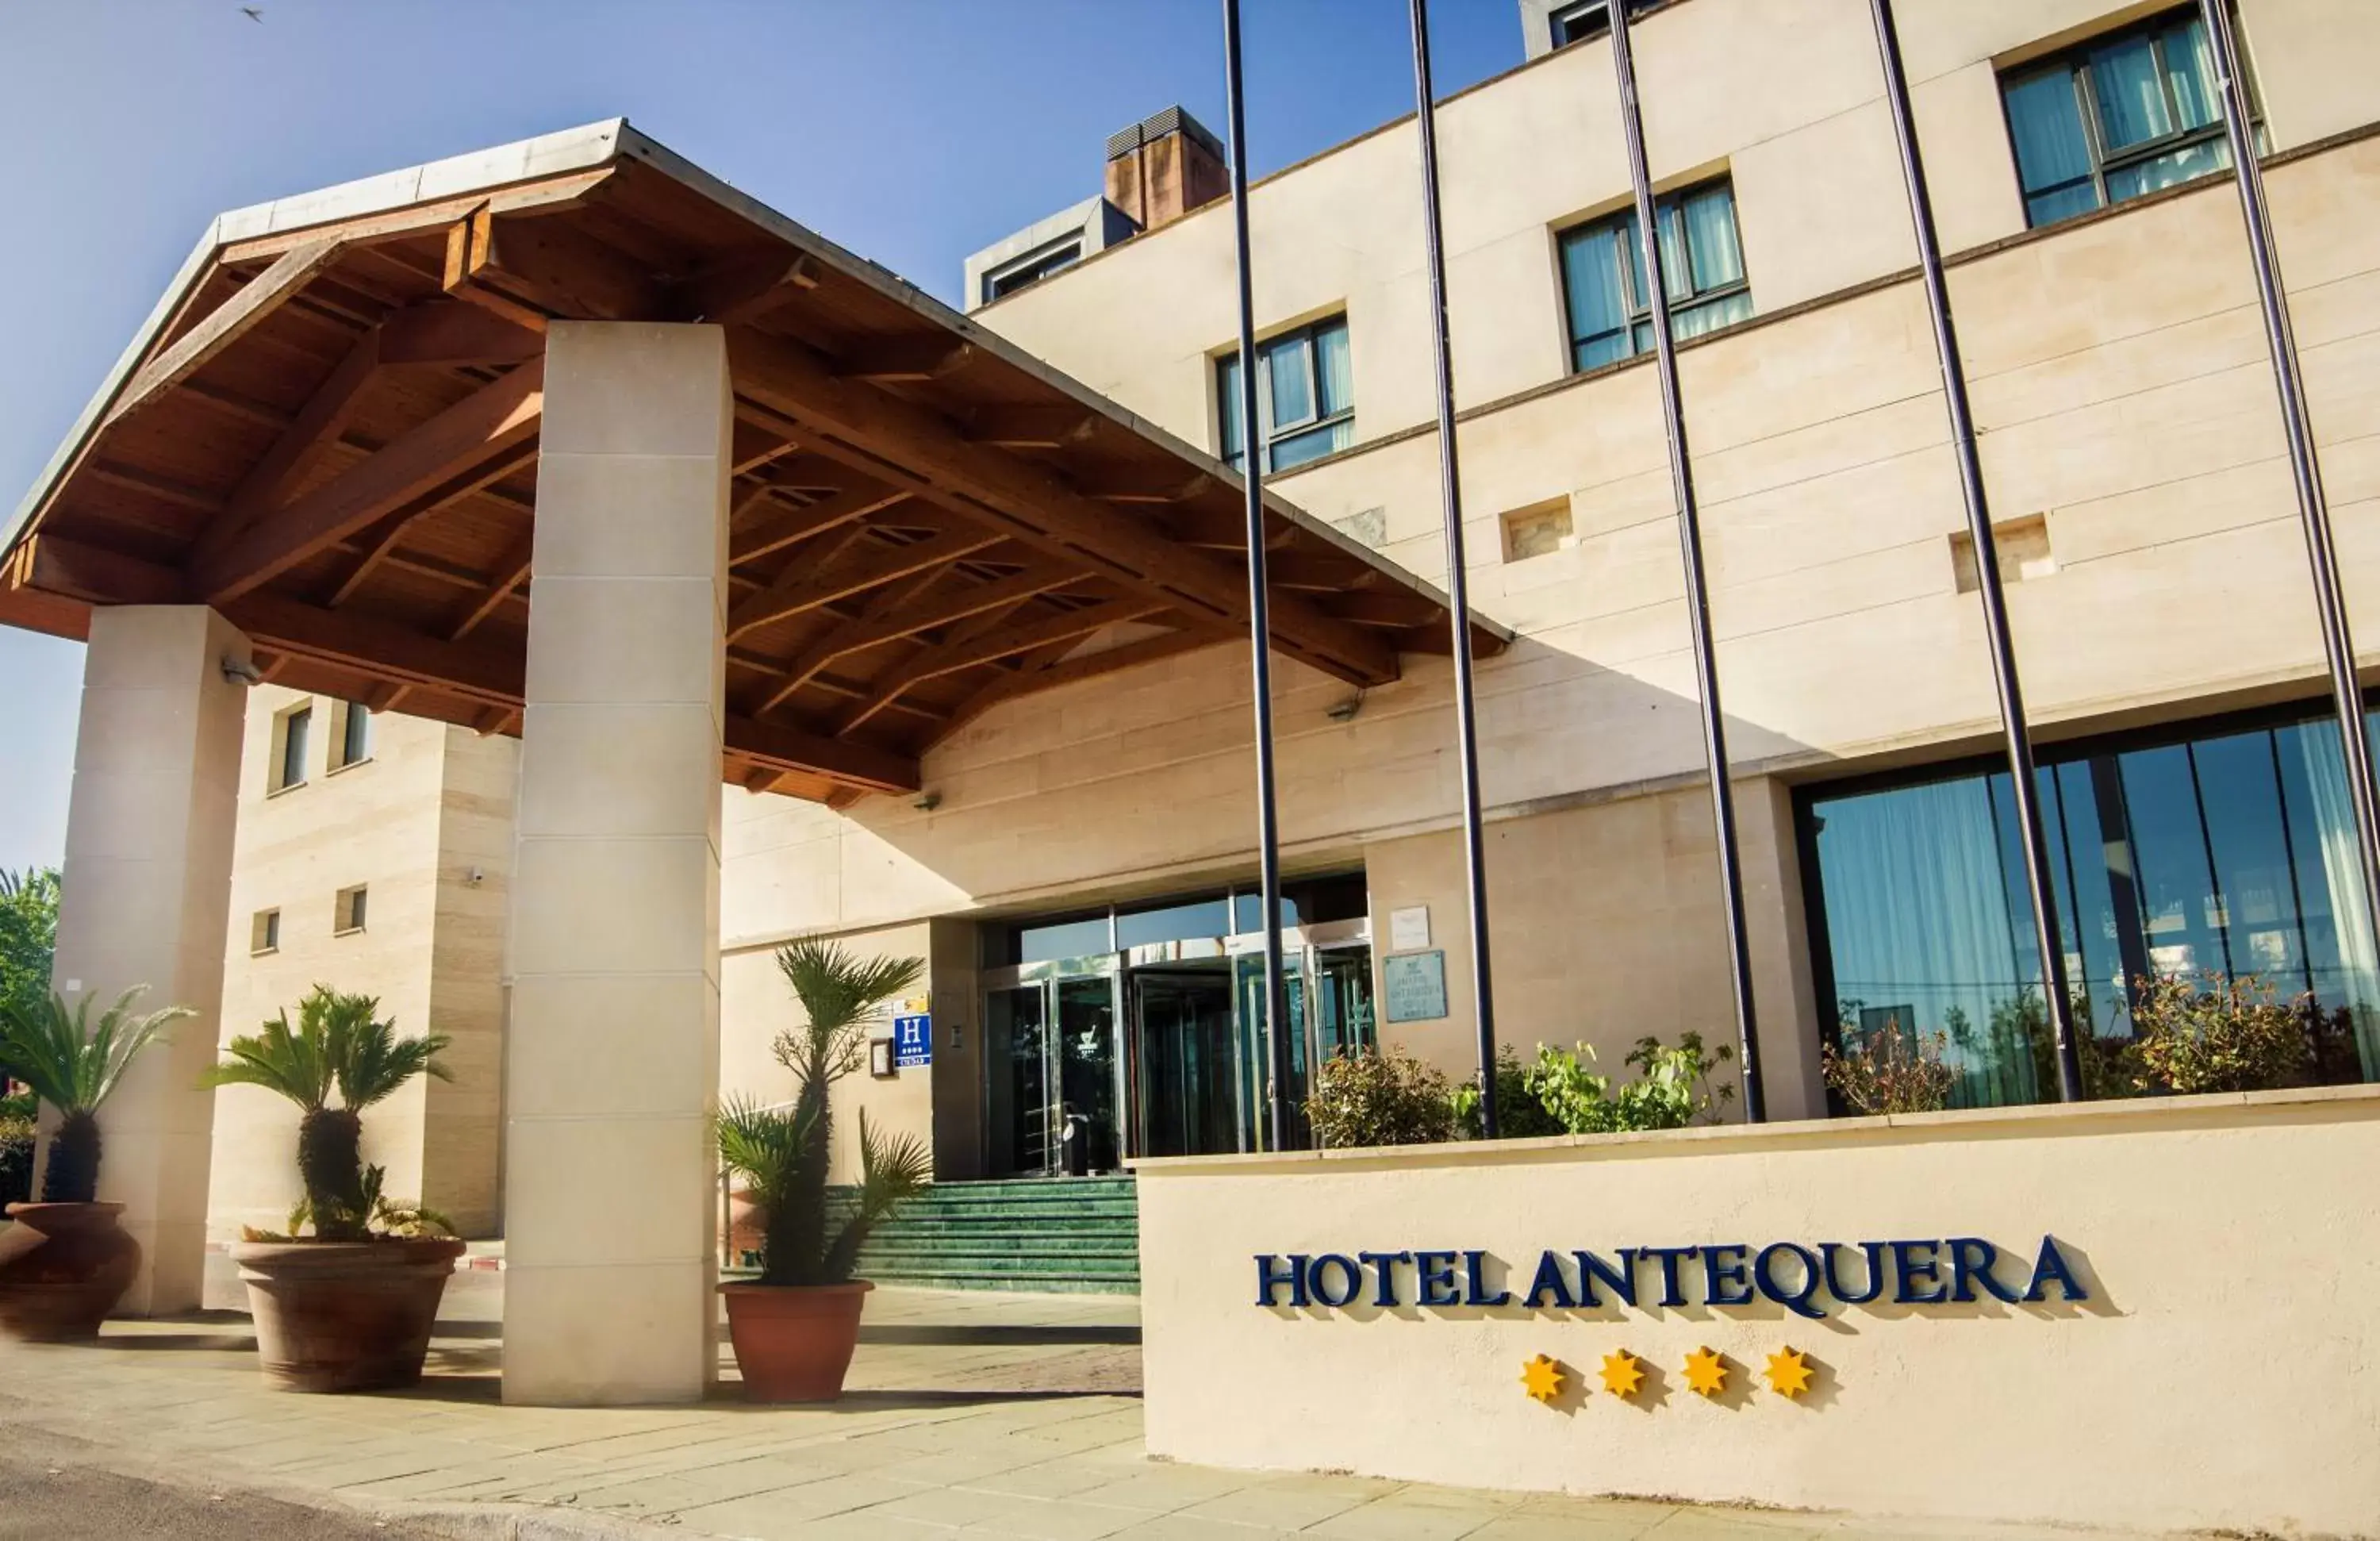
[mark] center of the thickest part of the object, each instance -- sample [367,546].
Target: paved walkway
[968,1414]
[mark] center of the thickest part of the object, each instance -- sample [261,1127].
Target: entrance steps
[1072,1234]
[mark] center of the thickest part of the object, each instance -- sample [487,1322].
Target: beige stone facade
[423,824]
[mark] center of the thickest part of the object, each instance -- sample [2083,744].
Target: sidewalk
[975,1414]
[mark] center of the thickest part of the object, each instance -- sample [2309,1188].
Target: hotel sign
[1801,1279]
[1412,986]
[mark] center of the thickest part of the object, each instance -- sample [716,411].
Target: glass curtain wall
[2227,854]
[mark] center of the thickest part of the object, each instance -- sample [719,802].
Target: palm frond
[295,1065]
[837,989]
[767,1147]
[375,1062]
[70,1064]
[891,1172]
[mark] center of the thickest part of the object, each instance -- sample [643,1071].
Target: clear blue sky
[911,131]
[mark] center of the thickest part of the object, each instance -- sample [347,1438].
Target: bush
[1380,1096]
[1672,1091]
[2231,1035]
[1518,1114]
[1891,1071]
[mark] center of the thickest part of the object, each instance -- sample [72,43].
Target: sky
[911,131]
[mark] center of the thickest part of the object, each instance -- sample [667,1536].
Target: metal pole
[1276,1002]
[2314,509]
[1690,545]
[1458,583]
[2051,943]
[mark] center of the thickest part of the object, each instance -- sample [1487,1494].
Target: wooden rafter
[912,616]
[483,427]
[380,542]
[742,287]
[923,358]
[866,563]
[1066,671]
[1033,505]
[224,325]
[549,265]
[452,332]
[772,532]
[1004,642]
[511,572]
[302,445]
[1031,427]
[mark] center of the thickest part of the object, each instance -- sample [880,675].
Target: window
[351,741]
[1305,396]
[264,931]
[1589,19]
[2231,850]
[1604,291]
[2122,116]
[347,913]
[1536,529]
[1031,268]
[290,731]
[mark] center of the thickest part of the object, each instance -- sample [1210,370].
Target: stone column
[612,1060]
[1777,923]
[146,900]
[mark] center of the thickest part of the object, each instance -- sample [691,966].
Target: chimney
[1163,167]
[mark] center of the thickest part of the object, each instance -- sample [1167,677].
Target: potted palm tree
[350,1306]
[794,1327]
[68,1261]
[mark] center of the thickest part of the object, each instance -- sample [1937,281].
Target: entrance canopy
[328,431]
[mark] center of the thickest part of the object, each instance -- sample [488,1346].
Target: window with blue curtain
[1305,396]
[1607,300]
[2227,850]
[2121,116]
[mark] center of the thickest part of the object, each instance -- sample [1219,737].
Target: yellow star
[1541,1377]
[1622,1374]
[1706,1372]
[1789,1373]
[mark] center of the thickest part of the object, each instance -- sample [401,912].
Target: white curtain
[2358,987]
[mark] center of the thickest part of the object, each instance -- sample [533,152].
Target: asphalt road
[52,1488]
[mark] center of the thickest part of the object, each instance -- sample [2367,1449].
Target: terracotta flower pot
[344,1316]
[63,1270]
[794,1342]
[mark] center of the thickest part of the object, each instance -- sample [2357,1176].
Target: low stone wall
[2149,1313]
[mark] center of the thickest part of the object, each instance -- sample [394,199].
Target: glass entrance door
[1090,1097]
[1018,1091]
[1185,1097]
[1255,1051]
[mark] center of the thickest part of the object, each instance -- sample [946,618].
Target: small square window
[264,932]
[1538,529]
[351,733]
[290,731]
[348,915]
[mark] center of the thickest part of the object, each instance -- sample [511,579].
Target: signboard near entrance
[1414,986]
[913,1041]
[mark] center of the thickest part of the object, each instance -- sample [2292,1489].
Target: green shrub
[1560,1094]
[1890,1072]
[1379,1097]
[1518,1114]
[2230,1035]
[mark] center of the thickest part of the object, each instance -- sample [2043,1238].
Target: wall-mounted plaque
[1414,986]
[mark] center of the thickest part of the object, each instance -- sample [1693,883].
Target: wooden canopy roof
[328,430]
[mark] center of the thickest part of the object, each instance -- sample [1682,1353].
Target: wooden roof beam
[905,359]
[452,332]
[805,586]
[224,325]
[775,531]
[483,427]
[381,541]
[905,441]
[548,264]
[1031,427]
[1068,626]
[743,287]
[302,445]
[1048,674]
[512,570]
[909,618]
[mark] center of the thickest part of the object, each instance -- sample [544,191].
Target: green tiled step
[1065,1234]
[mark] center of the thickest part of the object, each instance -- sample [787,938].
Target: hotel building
[951,598]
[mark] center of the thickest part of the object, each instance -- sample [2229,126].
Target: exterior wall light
[240,671]
[928,803]
[1344,711]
